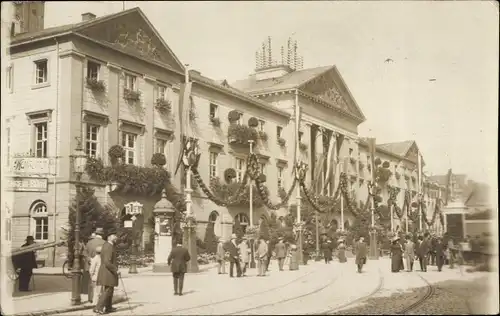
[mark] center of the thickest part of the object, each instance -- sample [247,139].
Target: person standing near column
[96,241]
[221,257]
[244,249]
[177,260]
[234,257]
[280,252]
[108,275]
[361,253]
[409,253]
[439,248]
[261,255]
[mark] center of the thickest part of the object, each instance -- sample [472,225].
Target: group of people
[239,252]
[328,247]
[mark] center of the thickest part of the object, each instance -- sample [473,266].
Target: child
[95,264]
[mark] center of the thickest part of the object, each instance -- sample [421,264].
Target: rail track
[428,294]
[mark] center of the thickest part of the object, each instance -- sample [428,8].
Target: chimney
[88,16]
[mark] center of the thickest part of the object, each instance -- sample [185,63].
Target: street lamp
[133,209]
[79,161]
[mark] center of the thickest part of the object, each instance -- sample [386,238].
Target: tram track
[171,312]
[428,294]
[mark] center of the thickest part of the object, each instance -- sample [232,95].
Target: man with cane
[108,275]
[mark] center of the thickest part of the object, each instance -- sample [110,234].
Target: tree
[237,229]
[92,215]
[264,230]
[210,238]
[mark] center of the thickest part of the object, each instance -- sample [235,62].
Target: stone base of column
[161,268]
[189,243]
[373,254]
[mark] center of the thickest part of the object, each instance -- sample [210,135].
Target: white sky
[453,119]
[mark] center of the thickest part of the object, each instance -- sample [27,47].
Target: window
[129,142]
[9,78]
[161,146]
[41,139]
[350,152]
[130,82]
[93,70]
[213,165]
[279,131]
[40,219]
[162,93]
[92,140]
[212,218]
[213,110]
[262,167]
[41,71]
[240,169]
[280,177]
[261,125]
[8,146]
[300,136]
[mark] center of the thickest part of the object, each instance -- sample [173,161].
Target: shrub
[158,160]
[237,229]
[386,164]
[210,239]
[233,116]
[95,85]
[253,122]
[131,95]
[263,136]
[262,178]
[116,152]
[264,230]
[241,134]
[163,105]
[229,174]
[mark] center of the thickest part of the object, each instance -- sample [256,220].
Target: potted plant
[115,153]
[386,164]
[215,121]
[233,116]
[281,142]
[263,136]
[302,147]
[158,160]
[253,122]
[229,174]
[262,178]
[241,134]
[163,105]
[131,95]
[95,85]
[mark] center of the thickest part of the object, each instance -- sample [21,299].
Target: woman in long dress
[341,251]
[294,258]
[396,255]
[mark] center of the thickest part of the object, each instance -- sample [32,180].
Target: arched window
[212,218]
[40,221]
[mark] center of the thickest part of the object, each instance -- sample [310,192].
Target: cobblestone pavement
[315,289]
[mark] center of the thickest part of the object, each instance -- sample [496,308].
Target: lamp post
[252,240]
[79,161]
[133,209]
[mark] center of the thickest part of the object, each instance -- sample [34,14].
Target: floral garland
[265,196]
[437,211]
[393,194]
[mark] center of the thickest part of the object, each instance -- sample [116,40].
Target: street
[317,288]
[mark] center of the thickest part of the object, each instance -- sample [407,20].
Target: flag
[318,170]
[331,162]
[372,143]
[184,121]
[419,166]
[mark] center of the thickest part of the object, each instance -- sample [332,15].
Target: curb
[119,299]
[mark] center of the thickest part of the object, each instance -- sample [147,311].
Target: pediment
[330,87]
[133,34]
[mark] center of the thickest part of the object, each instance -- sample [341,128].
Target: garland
[437,211]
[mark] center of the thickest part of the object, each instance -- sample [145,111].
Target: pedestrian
[221,257]
[409,253]
[107,276]
[177,260]
[262,254]
[327,251]
[95,241]
[280,253]
[245,251]
[269,255]
[451,251]
[402,245]
[341,251]
[294,258]
[95,265]
[234,257]
[396,255]
[440,256]
[361,253]
[422,252]
[26,262]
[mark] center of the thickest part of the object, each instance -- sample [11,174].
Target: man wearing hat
[234,257]
[361,253]
[280,252]
[261,255]
[221,257]
[108,275]
[177,260]
[90,252]
[26,262]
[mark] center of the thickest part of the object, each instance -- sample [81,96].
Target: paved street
[315,289]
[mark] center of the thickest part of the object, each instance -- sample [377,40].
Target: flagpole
[297,192]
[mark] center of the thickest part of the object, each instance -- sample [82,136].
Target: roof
[478,195]
[222,86]
[399,148]
[289,81]
[387,149]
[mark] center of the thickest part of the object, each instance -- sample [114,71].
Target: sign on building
[33,165]
[26,184]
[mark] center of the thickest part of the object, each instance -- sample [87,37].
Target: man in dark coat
[422,252]
[26,262]
[177,260]
[234,257]
[280,253]
[439,248]
[361,253]
[108,275]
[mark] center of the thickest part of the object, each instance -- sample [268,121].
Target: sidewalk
[51,292]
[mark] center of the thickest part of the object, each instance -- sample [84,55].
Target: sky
[453,118]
